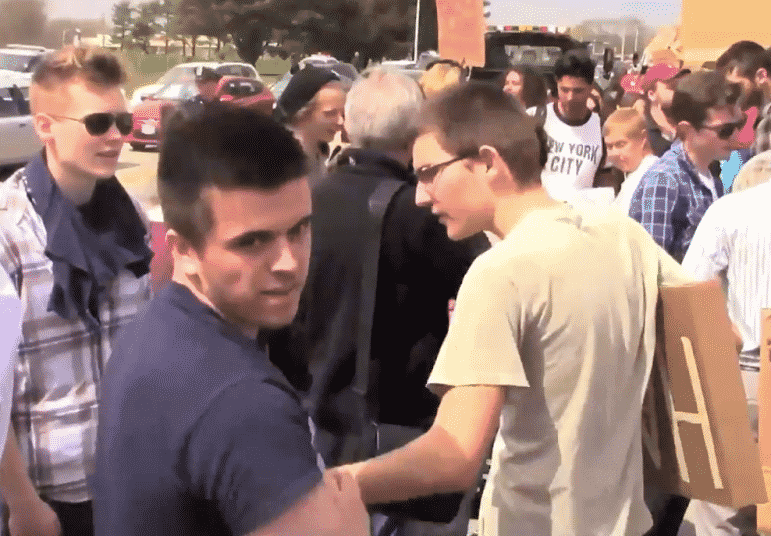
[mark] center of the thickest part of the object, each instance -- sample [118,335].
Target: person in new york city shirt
[75,246]
[576,150]
[199,432]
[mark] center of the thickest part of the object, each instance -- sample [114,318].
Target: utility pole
[417,32]
[636,36]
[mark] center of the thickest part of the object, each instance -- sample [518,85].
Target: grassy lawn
[145,69]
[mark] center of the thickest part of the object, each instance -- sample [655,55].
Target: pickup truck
[507,47]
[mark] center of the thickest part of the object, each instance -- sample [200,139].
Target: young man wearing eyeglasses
[75,245]
[538,357]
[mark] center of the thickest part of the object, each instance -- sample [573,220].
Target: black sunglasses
[725,130]
[99,123]
[429,172]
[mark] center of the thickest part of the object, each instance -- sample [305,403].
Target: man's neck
[700,162]
[510,210]
[78,188]
[181,278]
[658,116]
[585,115]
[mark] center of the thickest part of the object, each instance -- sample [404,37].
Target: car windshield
[176,74]
[175,91]
[15,62]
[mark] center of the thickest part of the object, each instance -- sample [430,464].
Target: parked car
[188,71]
[20,59]
[18,141]
[150,114]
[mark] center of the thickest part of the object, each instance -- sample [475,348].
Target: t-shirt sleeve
[250,454]
[482,344]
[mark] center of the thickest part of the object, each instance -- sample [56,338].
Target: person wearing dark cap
[311,107]
[206,83]
[658,86]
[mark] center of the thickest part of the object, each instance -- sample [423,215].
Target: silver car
[18,141]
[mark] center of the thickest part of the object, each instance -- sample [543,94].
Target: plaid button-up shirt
[671,199]
[59,362]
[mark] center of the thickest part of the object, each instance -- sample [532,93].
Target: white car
[18,141]
[186,71]
[20,60]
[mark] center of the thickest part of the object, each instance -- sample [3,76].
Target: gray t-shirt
[562,313]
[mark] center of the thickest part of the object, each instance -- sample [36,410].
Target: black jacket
[420,269]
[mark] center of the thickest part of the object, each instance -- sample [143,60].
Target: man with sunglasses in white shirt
[75,245]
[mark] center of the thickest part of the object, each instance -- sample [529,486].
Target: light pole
[417,32]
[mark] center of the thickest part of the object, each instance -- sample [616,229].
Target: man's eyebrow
[264,235]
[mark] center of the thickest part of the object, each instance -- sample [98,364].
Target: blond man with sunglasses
[76,247]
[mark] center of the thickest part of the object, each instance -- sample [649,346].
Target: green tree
[122,22]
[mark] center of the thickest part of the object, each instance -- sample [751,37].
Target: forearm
[15,484]
[430,464]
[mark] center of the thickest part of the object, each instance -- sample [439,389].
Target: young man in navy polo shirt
[199,433]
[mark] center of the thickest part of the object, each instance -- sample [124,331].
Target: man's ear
[761,76]
[684,128]
[43,123]
[182,251]
[488,156]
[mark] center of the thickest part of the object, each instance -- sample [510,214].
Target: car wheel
[138,146]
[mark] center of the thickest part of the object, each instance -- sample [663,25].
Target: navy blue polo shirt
[198,433]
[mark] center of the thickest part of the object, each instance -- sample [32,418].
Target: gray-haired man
[418,272]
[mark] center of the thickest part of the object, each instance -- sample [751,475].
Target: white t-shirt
[628,187]
[562,312]
[575,153]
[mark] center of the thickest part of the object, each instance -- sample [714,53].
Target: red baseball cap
[632,83]
[660,71]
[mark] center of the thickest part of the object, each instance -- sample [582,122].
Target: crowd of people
[373,292]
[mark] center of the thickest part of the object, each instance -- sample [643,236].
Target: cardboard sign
[462,26]
[764,415]
[697,440]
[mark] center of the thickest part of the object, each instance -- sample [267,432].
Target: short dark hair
[575,62]
[746,57]
[467,116]
[697,92]
[220,146]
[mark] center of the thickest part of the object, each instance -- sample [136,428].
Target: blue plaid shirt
[671,200]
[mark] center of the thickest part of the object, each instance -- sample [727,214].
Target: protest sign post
[461,31]
[696,432]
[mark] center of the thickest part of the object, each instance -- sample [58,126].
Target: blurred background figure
[626,140]
[439,75]
[524,83]
[312,107]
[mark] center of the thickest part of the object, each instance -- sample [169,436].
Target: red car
[149,115]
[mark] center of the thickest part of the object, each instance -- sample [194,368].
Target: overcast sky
[544,12]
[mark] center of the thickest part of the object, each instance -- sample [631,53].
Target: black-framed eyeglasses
[725,130]
[428,173]
[99,123]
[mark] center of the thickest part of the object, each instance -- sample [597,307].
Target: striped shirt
[733,243]
[59,362]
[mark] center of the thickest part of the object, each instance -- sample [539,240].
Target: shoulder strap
[378,204]
[540,114]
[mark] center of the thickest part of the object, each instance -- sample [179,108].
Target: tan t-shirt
[562,311]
